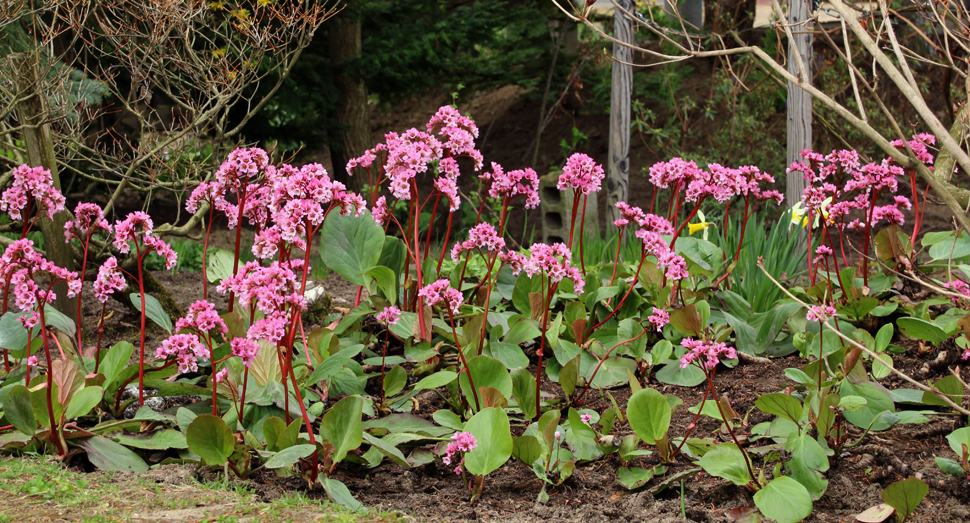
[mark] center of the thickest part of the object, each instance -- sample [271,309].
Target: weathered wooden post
[618,167]
[799,101]
[32,112]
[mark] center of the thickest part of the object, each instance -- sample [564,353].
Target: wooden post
[32,112]
[618,168]
[692,11]
[799,101]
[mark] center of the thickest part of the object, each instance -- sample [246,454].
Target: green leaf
[921,330]
[780,405]
[524,390]
[526,449]
[649,415]
[905,495]
[633,478]
[82,402]
[883,337]
[108,455]
[882,365]
[115,361]
[18,409]
[395,380]
[219,262]
[353,245]
[486,372]
[957,439]
[211,439]
[726,461]
[184,417]
[491,429]
[808,461]
[339,493]
[158,440]
[950,386]
[153,310]
[386,281]
[569,375]
[289,456]
[673,374]
[877,401]
[387,448]
[13,335]
[438,379]
[583,432]
[273,428]
[447,418]
[951,467]
[341,426]
[55,318]
[784,500]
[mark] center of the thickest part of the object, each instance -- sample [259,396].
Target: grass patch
[36,489]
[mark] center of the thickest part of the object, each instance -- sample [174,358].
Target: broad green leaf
[808,461]
[219,264]
[583,432]
[184,417]
[726,461]
[784,500]
[18,409]
[881,365]
[341,426]
[673,374]
[526,449]
[387,448]
[883,337]
[569,375]
[958,438]
[921,330]
[950,386]
[353,245]
[524,390]
[338,492]
[408,423]
[108,455]
[649,415]
[386,281]
[82,402]
[153,310]
[115,361]
[158,440]
[395,380]
[951,467]
[491,429]
[447,418]
[273,428]
[210,438]
[780,405]
[438,379]
[289,456]
[633,478]
[486,372]
[55,318]
[13,335]
[877,401]
[905,495]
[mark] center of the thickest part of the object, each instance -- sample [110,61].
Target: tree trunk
[352,116]
[618,168]
[799,101]
[32,112]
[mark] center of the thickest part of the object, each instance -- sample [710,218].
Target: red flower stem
[84,265]
[598,365]
[680,229]
[461,354]
[865,244]
[690,428]
[212,361]
[427,237]
[241,192]
[616,258]
[572,221]
[205,252]
[444,246]
[542,343]
[811,268]
[54,432]
[582,224]
[97,350]
[141,350]
[422,328]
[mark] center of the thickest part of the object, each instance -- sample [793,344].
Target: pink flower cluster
[390,315]
[706,354]
[860,184]
[88,217]
[959,287]
[723,183]
[442,290]
[271,288]
[19,265]
[186,349]
[658,318]
[919,145]
[31,184]
[381,212]
[202,318]
[482,236]
[462,442]
[110,280]
[246,349]
[651,232]
[513,183]
[552,261]
[581,174]
[128,230]
[820,313]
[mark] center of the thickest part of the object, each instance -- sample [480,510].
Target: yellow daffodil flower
[702,225]
[798,214]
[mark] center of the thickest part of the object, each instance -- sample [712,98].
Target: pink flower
[186,349]
[710,352]
[513,183]
[659,318]
[271,288]
[823,250]
[202,317]
[32,361]
[586,418]
[110,279]
[245,348]
[676,171]
[482,236]
[221,375]
[31,184]
[461,443]
[552,261]
[581,174]
[380,212]
[88,217]
[441,290]
[389,315]
[271,328]
[820,313]
[959,287]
